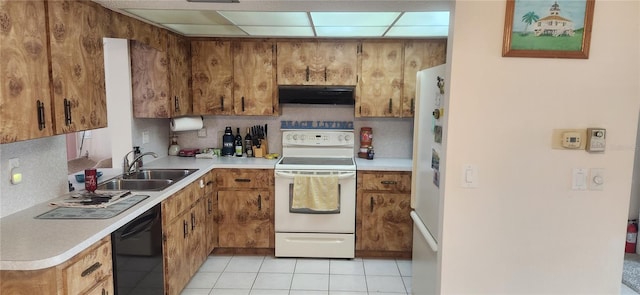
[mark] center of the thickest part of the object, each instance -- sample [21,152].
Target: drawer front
[387,181]
[244,178]
[180,202]
[103,288]
[88,269]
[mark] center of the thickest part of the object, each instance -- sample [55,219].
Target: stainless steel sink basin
[173,174]
[135,184]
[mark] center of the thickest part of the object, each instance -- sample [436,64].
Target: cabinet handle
[390,105]
[222,103]
[325,74]
[259,202]
[243,180]
[371,205]
[104,292]
[67,112]
[176,103]
[209,206]
[91,269]
[413,106]
[307,73]
[193,221]
[185,229]
[40,109]
[242,103]
[385,182]
[210,182]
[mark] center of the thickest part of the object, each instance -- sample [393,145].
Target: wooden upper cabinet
[380,85]
[317,63]
[419,55]
[160,79]
[25,98]
[179,49]
[254,78]
[76,29]
[150,81]
[212,74]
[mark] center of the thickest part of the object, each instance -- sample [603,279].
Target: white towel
[317,193]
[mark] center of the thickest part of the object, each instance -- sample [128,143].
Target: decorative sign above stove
[348,125]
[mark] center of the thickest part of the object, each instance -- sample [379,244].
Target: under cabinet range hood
[331,95]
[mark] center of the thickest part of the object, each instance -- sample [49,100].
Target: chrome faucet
[126,167]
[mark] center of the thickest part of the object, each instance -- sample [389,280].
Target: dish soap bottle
[174,148]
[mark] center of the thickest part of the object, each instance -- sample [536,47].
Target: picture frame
[548,28]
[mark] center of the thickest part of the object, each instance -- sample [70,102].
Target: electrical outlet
[202,132]
[145,136]
[14,163]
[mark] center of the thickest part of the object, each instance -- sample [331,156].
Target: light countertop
[27,243]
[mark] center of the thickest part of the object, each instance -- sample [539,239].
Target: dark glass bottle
[238,144]
[248,142]
[227,142]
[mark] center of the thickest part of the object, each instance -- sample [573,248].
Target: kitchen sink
[135,184]
[173,174]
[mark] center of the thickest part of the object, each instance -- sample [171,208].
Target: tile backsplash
[391,137]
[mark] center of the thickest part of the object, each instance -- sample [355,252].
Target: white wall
[634,206]
[523,230]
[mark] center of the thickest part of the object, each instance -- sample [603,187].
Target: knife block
[259,152]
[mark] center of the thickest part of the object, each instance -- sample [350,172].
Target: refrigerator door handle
[424,231]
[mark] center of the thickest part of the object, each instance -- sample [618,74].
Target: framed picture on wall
[548,28]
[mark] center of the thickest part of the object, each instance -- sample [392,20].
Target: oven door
[313,222]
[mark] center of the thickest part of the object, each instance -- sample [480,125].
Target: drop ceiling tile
[437,18]
[161,16]
[206,30]
[278,31]
[337,19]
[267,18]
[418,31]
[350,31]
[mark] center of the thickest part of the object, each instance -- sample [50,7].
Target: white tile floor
[267,275]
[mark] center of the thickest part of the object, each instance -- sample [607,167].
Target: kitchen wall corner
[43,165]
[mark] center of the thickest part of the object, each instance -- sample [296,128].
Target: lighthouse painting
[548,28]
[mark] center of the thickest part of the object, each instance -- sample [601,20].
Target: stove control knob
[347,137]
[288,137]
[295,137]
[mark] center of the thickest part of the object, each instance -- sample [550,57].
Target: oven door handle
[342,175]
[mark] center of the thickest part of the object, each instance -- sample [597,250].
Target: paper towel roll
[186,123]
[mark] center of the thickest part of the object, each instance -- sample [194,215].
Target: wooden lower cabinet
[383,224]
[245,219]
[89,272]
[245,206]
[185,235]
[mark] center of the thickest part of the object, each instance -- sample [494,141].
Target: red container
[91,180]
[366,136]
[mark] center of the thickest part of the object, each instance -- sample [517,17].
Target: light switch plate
[596,179]
[579,179]
[470,176]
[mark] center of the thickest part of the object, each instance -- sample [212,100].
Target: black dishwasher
[137,255]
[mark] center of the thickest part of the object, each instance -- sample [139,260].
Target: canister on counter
[366,137]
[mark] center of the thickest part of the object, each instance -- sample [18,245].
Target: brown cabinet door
[254,78]
[179,50]
[212,74]
[245,218]
[177,253]
[419,55]
[25,74]
[76,29]
[339,62]
[150,81]
[380,84]
[295,62]
[386,224]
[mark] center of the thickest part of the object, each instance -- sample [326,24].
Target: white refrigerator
[425,192]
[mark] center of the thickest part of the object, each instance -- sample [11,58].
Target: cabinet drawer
[244,178]
[103,288]
[387,181]
[180,202]
[88,269]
